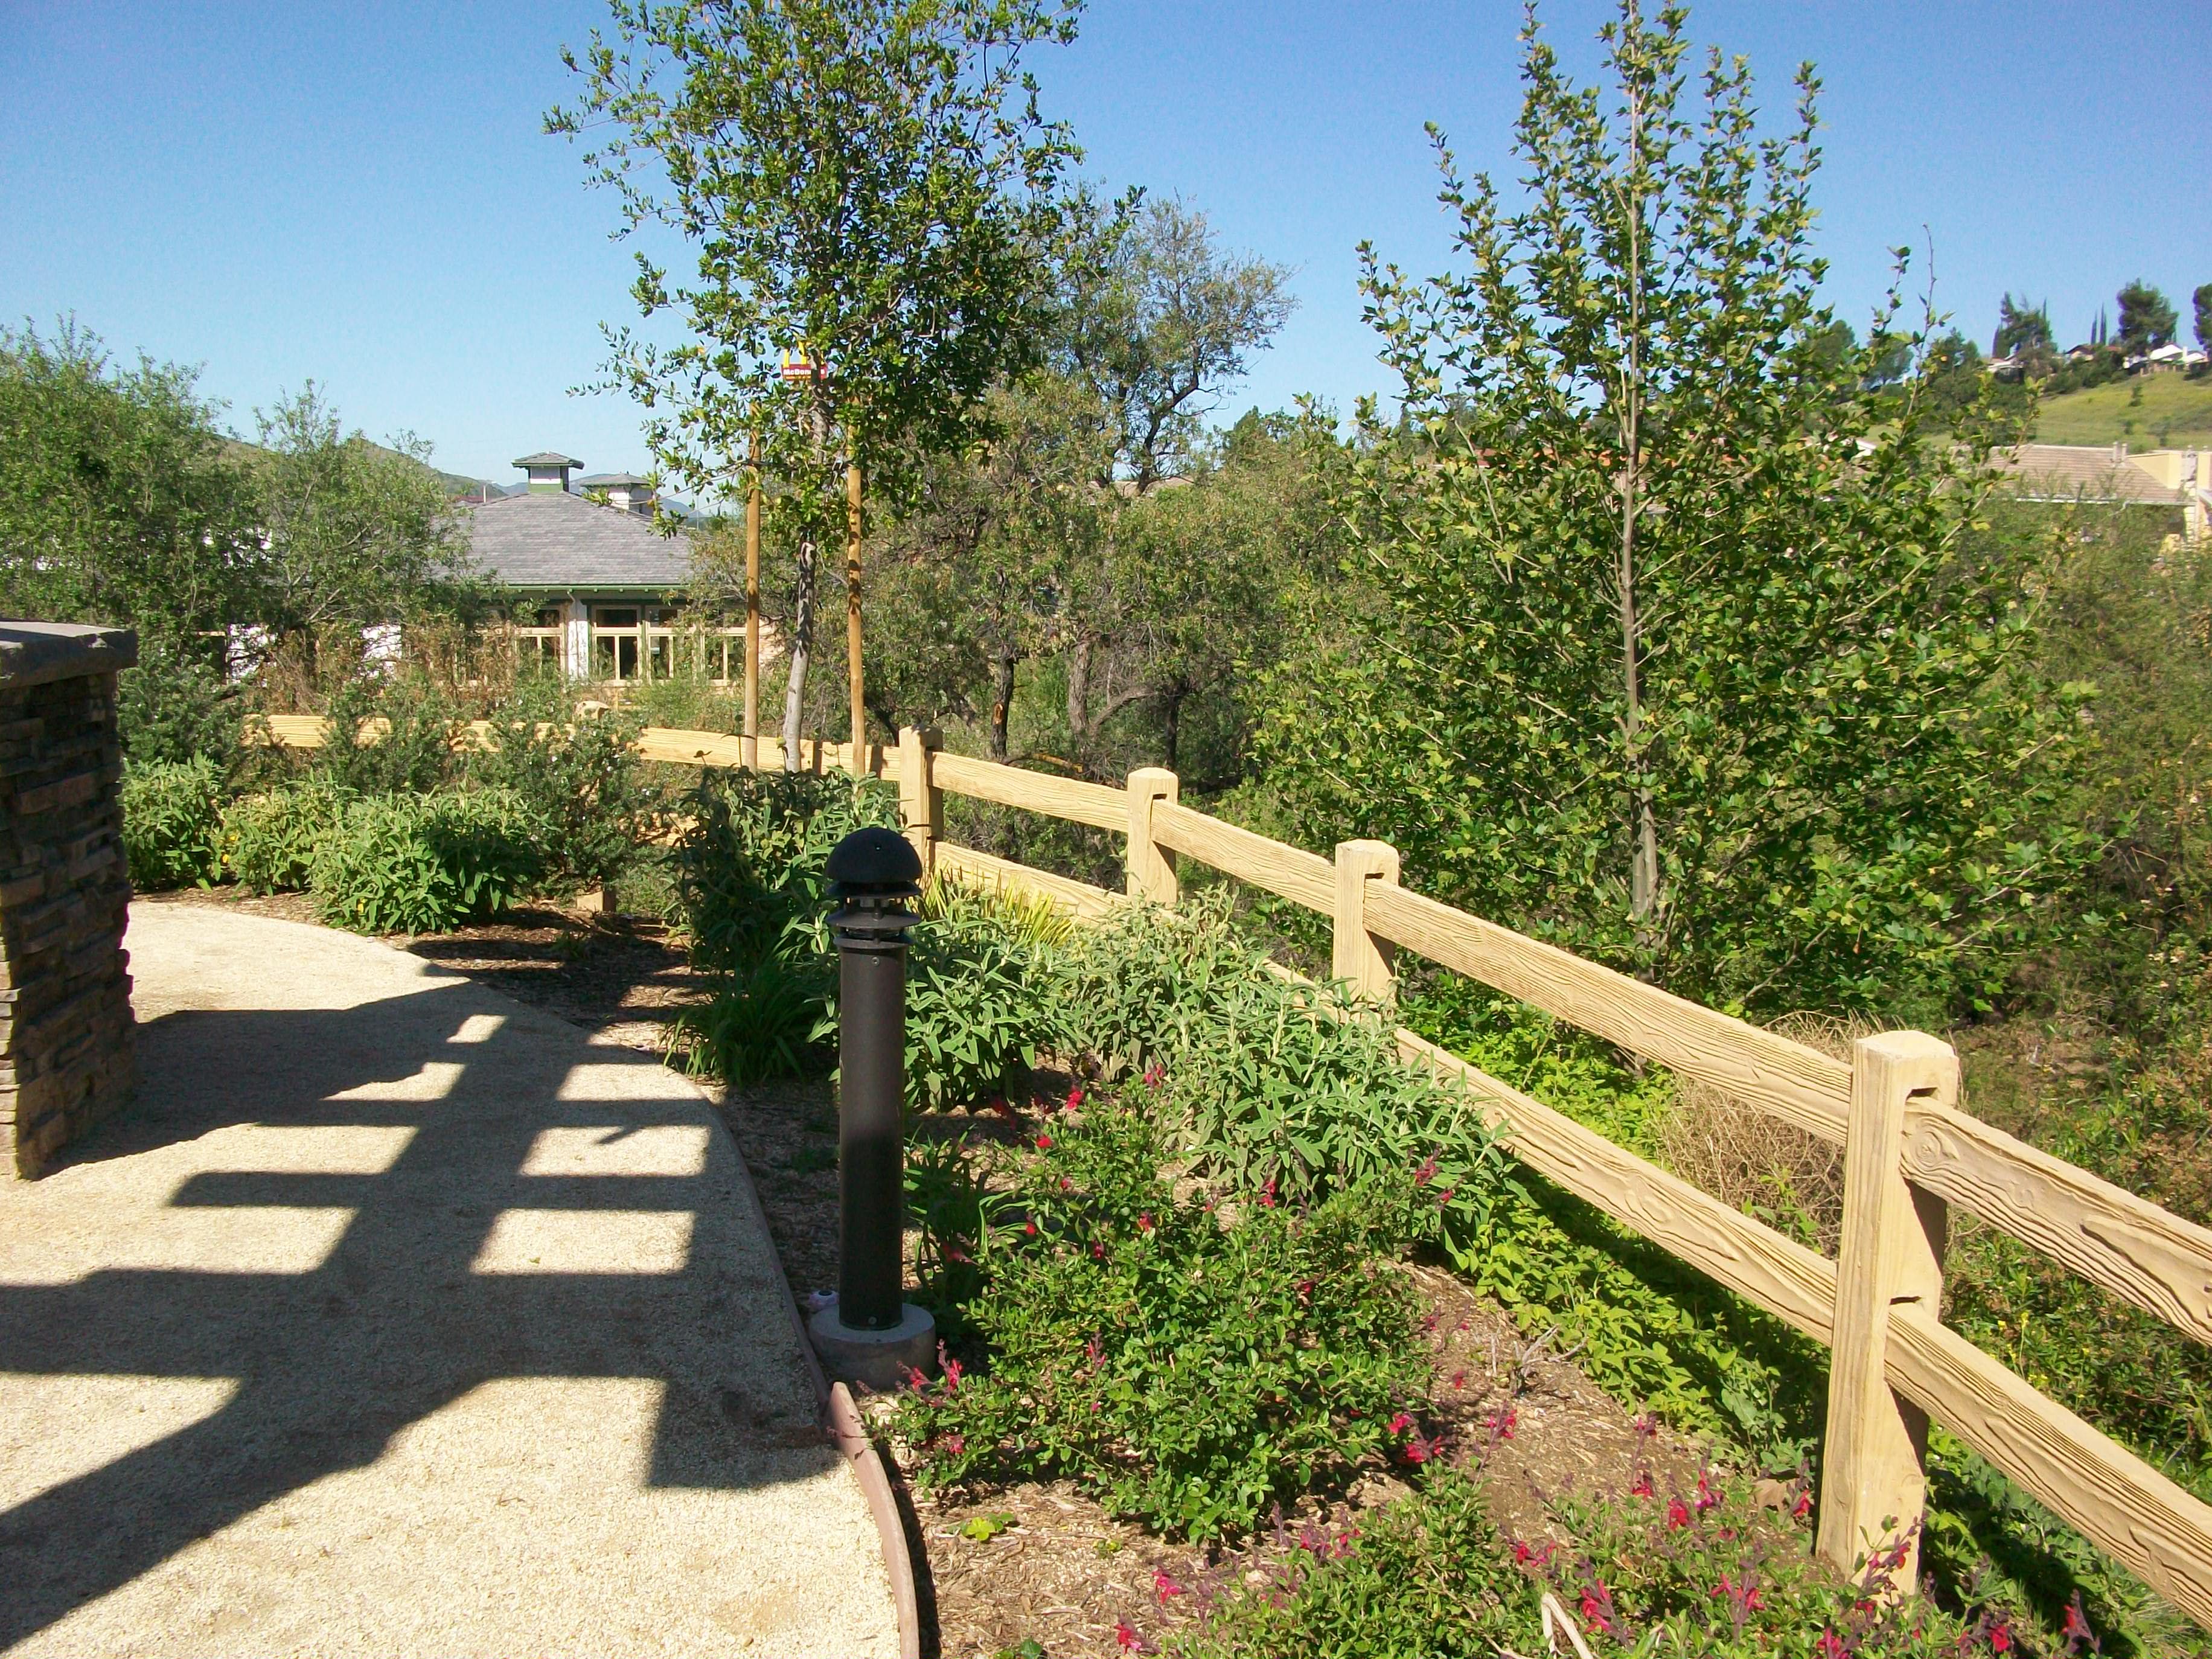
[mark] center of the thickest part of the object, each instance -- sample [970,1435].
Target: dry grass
[1752,1160]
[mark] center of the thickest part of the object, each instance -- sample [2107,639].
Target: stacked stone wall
[67,1055]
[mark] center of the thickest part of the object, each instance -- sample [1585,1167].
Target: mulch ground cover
[1041,1563]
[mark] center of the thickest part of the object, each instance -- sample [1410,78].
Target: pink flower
[955,1444]
[1500,1423]
[1092,1352]
[1706,1496]
[1155,1075]
[1164,1586]
[1647,1425]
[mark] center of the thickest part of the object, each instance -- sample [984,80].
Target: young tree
[866,182]
[355,534]
[1667,642]
[2022,330]
[2203,300]
[2147,317]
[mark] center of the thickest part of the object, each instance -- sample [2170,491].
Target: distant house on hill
[2172,478]
[605,581]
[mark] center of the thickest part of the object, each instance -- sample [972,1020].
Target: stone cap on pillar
[33,653]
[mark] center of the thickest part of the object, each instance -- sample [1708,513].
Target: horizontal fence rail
[1909,1151]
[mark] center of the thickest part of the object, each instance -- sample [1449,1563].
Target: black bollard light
[874,871]
[869,1334]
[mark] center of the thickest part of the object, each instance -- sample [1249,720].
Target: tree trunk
[802,641]
[1078,688]
[1002,703]
[1174,722]
[1646,900]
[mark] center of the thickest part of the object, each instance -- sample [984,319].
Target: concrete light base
[879,1359]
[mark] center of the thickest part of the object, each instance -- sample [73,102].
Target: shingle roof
[545,458]
[2066,472]
[565,540]
[613,481]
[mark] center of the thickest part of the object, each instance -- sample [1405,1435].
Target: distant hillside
[455,484]
[2175,412]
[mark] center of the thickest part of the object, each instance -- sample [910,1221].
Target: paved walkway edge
[841,1421]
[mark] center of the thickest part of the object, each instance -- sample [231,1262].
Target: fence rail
[1909,1153]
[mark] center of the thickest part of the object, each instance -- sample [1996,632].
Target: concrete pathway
[398,1319]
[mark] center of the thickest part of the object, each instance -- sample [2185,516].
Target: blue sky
[361,194]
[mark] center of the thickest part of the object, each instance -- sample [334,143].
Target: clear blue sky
[361,194]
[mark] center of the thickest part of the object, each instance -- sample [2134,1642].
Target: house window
[614,642]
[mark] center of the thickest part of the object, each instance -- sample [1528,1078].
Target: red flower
[1145,1222]
[1830,1646]
[1678,1513]
[952,1374]
[1029,1227]
[1164,1586]
[1803,1506]
[2001,1638]
[1419,1450]
[1098,1249]
[1155,1075]
[1642,1486]
[1002,1106]
[1267,1195]
[1444,1195]
[1065,1185]
[1305,1290]
[1523,1555]
[1129,1640]
[1500,1423]
[1426,1173]
[1092,1352]
[2077,1622]
[1398,1424]
[1075,1097]
[1706,1496]
[1647,1425]
[1044,1143]
[914,1379]
[1459,1379]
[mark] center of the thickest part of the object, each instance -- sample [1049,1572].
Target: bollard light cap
[877,863]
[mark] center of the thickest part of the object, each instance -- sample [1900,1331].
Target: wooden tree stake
[1152,867]
[860,758]
[750,747]
[1874,1488]
[1362,959]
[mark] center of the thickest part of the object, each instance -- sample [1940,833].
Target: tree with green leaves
[2147,317]
[866,183]
[2022,330]
[1663,635]
[357,534]
[2202,300]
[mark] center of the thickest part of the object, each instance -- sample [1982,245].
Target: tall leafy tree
[1669,640]
[2147,317]
[868,182]
[2022,328]
[2202,300]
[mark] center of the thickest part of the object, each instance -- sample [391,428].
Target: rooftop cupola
[548,472]
[625,490]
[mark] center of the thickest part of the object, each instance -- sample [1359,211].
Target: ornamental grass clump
[1189,1363]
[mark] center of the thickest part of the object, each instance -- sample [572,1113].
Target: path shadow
[414,1306]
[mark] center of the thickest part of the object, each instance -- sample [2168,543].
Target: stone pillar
[67,1057]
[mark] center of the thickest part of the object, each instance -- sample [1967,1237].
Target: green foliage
[2147,317]
[1186,1370]
[980,1012]
[172,816]
[412,755]
[753,889]
[1700,1573]
[577,775]
[424,863]
[1660,639]
[177,704]
[269,840]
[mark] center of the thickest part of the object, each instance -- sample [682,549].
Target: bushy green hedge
[172,821]
[424,863]
[269,840]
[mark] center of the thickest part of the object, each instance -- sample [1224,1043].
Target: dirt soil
[1050,1566]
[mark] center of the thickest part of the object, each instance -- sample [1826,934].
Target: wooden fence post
[1874,1488]
[1357,956]
[1152,869]
[921,803]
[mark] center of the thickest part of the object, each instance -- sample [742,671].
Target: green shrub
[424,863]
[177,704]
[576,775]
[980,1011]
[1699,1573]
[171,816]
[269,840]
[763,1021]
[1187,1372]
[414,754]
